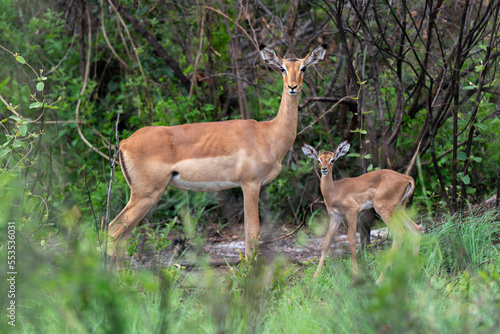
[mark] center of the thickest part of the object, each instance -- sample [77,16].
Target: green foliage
[54,186]
[464,242]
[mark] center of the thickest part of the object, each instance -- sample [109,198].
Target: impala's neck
[284,125]
[327,184]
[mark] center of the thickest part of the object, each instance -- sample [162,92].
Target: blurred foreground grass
[453,286]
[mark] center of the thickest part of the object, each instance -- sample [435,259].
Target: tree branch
[160,51]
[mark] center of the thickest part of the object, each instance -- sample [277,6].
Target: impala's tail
[124,167]
[409,190]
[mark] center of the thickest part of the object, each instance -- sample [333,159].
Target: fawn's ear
[310,152]
[270,56]
[315,56]
[342,149]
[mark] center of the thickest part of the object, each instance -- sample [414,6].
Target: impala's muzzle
[324,171]
[292,89]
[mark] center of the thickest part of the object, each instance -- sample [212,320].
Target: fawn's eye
[303,69]
[282,69]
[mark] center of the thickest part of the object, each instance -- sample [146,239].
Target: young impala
[384,190]
[211,156]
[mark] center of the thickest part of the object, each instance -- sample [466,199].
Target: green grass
[453,286]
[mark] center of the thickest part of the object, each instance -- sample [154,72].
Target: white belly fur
[177,182]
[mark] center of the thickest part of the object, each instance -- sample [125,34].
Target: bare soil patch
[223,247]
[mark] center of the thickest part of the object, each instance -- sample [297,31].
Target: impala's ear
[342,149]
[270,56]
[310,152]
[315,56]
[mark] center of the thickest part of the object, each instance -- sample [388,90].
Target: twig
[310,99]
[457,279]
[105,35]
[139,27]
[84,87]
[243,30]
[239,78]
[9,107]
[113,165]
[27,64]
[143,31]
[65,56]
[197,59]
[448,151]
[267,242]
[326,112]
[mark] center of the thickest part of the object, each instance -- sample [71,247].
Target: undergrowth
[452,286]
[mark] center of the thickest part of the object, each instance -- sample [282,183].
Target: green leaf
[40,86]
[367,156]
[461,156]
[4,152]
[477,159]
[466,179]
[23,129]
[481,126]
[470,87]
[20,59]
[35,105]
[354,155]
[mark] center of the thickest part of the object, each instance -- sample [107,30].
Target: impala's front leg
[332,229]
[251,209]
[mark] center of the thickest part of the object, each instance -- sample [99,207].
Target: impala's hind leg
[415,232]
[397,231]
[399,227]
[121,227]
[146,191]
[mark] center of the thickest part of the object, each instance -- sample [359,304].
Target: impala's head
[293,69]
[326,159]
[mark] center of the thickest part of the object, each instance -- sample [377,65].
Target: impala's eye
[303,69]
[282,69]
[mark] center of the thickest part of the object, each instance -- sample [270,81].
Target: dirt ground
[224,246]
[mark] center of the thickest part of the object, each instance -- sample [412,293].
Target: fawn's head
[326,159]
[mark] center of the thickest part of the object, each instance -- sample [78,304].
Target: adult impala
[211,156]
[384,190]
